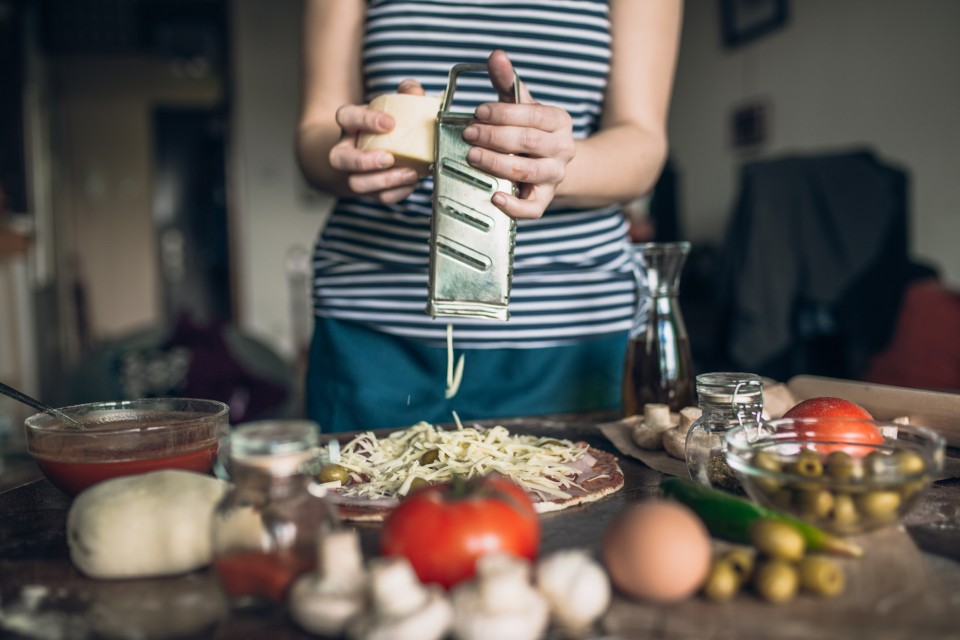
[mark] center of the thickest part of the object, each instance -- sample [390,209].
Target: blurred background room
[155,232]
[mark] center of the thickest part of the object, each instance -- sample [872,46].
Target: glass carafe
[658,367]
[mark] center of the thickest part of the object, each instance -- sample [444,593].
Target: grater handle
[466,67]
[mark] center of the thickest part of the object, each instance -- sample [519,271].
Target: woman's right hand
[372,173]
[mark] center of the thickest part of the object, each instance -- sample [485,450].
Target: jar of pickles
[267,528]
[727,399]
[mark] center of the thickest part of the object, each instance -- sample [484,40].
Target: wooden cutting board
[891,593]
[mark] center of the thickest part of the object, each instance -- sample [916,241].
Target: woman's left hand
[528,143]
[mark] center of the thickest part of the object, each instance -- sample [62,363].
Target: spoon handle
[36,404]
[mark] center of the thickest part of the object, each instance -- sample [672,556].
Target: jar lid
[730,388]
[280,447]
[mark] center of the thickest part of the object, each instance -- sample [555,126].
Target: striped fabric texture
[572,274]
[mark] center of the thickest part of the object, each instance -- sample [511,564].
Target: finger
[354,118]
[411,87]
[528,141]
[517,168]
[502,75]
[525,140]
[393,196]
[539,116]
[344,156]
[528,208]
[377,181]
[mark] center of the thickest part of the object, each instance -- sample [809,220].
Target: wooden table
[897,591]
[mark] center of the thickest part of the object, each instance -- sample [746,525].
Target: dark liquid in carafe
[645,380]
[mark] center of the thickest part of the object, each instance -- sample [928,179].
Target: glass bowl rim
[43,422]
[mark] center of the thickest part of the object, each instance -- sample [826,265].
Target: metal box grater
[471,241]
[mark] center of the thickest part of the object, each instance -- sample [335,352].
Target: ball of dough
[154,524]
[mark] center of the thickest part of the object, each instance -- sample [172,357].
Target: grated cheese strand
[454,374]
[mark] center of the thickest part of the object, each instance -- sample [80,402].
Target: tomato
[443,529]
[851,423]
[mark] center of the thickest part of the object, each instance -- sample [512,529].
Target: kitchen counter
[908,585]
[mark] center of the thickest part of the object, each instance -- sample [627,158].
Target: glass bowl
[126,438]
[843,484]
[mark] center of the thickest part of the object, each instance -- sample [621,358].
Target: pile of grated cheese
[386,467]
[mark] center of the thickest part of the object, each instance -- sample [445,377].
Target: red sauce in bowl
[74,477]
[127,438]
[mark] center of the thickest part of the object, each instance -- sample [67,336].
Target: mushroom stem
[325,602]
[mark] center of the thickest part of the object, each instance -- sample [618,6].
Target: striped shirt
[572,277]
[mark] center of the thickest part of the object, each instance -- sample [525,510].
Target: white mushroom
[324,602]
[403,608]
[656,420]
[499,603]
[688,415]
[576,588]
[675,442]
[675,438]
[657,415]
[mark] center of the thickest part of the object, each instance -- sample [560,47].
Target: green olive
[910,489]
[878,504]
[909,463]
[782,499]
[842,466]
[722,583]
[807,464]
[766,460]
[334,473]
[430,456]
[844,511]
[742,561]
[821,575]
[418,483]
[815,503]
[878,464]
[776,581]
[769,486]
[777,539]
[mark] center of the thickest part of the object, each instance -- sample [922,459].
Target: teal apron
[360,379]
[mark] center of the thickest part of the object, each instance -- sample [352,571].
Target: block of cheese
[412,139]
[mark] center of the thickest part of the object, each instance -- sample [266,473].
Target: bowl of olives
[823,471]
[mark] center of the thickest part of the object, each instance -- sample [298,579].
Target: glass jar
[726,400]
[268,526]
[658,367]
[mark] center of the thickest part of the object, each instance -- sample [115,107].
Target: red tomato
[443,529]
[851,424]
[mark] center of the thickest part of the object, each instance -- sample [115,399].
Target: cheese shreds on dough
[386,467]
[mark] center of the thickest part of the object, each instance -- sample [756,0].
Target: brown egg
[657,550]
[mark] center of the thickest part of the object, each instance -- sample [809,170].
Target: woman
[588,134]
